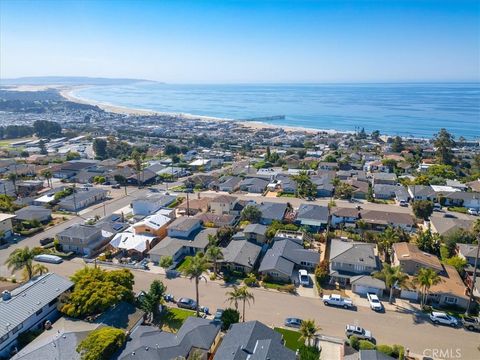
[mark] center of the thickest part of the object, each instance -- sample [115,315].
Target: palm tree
[194,270]
[426,278]
[47,174]
[362,226]
[13,178]
[22,258]
[234,296]
[385,241]
[393,276]
[245,296]
[308,330]
[214,253]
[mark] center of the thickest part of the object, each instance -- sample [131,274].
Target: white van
[303,277]
[52,259]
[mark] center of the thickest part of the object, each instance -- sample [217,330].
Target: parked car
[437,207]
[46,241]
[471,323]
[293,322]
[359,332]
[106,183]
[187,303]
[116,186]
[218,315]
[88,185]
[51,259]
[443,319]
[374,301]
[168,298]
[303,278]
[472,212]
[337,300]
[403,203]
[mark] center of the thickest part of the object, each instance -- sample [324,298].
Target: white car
[443,318]
[303,278]
[359,332]
[472,212]
[374,301]
[337,300]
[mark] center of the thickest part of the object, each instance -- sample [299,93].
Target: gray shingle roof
[256,229]
[80,231]
[33,212]
[29,298]
[273,211]
[241,252]
[367,280]
[184,223]
[351,252]
[312,212]
[252,340]
[150,343]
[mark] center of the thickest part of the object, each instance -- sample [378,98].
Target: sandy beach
[69,94]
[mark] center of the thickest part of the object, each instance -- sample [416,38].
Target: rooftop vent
[6,295]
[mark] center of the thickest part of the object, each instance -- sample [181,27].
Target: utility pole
[188,205]
[74,200]
[472,286]
[104,210]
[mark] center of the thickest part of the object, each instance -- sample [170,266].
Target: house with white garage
[363,284]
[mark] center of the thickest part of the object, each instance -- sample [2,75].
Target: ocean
[418,110]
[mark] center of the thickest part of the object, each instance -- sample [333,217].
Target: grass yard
[291,337]
[184,264]
[269,285]
[171,319]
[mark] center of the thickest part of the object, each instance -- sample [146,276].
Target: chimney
[6,295]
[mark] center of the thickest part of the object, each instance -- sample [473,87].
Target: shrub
[251,280]
[213,276]
[309,352]
[321,272]
[398,351]
[230,316]
[101,343]
[289,288]
[366,345]
[387,350]
[354,342]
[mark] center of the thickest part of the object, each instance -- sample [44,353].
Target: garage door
[408,294]
[363,290]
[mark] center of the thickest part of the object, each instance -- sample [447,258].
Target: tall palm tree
[245,297]
[47,174]
[393,276]
[214,253]
[234,296]
[22,258]
[195,270]
[308,330]
[385,241]
[426,278]
[362,226]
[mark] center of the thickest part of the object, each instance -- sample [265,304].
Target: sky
[206,41]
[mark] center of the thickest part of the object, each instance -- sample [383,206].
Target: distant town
[151,236]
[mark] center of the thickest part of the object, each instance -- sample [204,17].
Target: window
[39,312]
[17,328]
[450,300]
[3,338]
[53,302]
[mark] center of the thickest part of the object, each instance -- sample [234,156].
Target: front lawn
[291,337]
[184,264]
[171,319]
[458,209]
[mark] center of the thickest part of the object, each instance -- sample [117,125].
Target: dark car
[293,322]
[116,186]
[187,303]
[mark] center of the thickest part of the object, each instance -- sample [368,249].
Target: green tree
[393,276]
[233,297]
[96,290]
[444,143]
[441,171]
[22,259]
[305,186]
[397,144]
[230,316]
[251,213]
[166,262]
[426,278]
[100,148]
[375,135]
[73,155]
[43,148]
[214,253]
[422,209]
[245,297]
[153,298]
[13,178]
[101,343]
[195,269]
[45,128]
[362,226]
[47,174]
[308,331]
[457,262]
[428,242]
[343,191]
[385,241]
[309,352]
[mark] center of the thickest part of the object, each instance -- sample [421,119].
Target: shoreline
[68,93]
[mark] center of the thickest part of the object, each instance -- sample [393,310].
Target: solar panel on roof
[117,226]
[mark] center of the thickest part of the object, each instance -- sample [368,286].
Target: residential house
[324,185]
[6,228]
[380,220]
[214,220]
[368,355]
[144,177]
[287,184]
[134,245]
[253,185]
[155,224]
[363,284]
[450,291]
[350,258]
[196,335]
[201,181]
[312,216]
[179,247]
[271,212]
[470,200]
[82,199]
[28,307]
[150,204]
[253,340]
[183,227]
[330,166]
[27,188]
[241,255]
[384,192]
[33,212]
[360,188]
[222,204]
[445,226]
[410,258]
[194,206]
[422,192]
[467,252]
[230,184]
[255,233]
[345,216]
[384,178]
[284,257]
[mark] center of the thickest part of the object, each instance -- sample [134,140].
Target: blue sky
[226,41]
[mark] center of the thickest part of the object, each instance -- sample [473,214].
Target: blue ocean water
[396,109]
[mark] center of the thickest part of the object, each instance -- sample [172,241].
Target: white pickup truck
[337,300]
[374,302]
